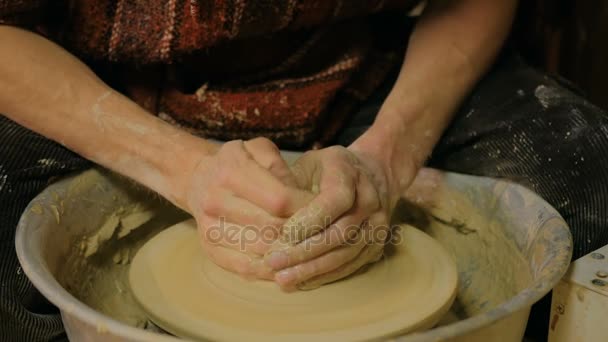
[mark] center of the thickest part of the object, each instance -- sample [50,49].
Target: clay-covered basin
[76,239]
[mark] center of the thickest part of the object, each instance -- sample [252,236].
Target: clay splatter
[48,162]
[546,95]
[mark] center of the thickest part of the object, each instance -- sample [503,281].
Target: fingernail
[285,277]
[277,260]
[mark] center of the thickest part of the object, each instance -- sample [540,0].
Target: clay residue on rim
[97,273]
[96,268]
[491,267]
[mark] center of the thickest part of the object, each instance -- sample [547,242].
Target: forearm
[49,91]
[453,45]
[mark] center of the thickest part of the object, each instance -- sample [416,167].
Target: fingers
[337,234]
[258,186]
[242,238]
[321,265]
[239,211]
[366,248]
[242,209]
[282,255]
[337,195]
[267,154]
[375,235]
[371,253]
[240,263]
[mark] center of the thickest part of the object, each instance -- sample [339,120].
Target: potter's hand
[342,229]
[240,196]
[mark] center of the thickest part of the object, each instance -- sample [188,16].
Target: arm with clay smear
[452,47]
[46,89]
[453,44]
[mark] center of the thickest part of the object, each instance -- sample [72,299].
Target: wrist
[404,134]
[192,155]
[384,145]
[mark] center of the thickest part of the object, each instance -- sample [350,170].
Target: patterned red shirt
[230,69]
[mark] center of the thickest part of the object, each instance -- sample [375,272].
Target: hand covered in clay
[240,197]
[342,229]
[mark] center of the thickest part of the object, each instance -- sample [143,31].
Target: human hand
[342,229]
[240,197]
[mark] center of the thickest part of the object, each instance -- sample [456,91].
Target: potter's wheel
[186,294]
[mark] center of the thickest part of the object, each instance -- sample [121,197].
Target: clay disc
[188,295]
